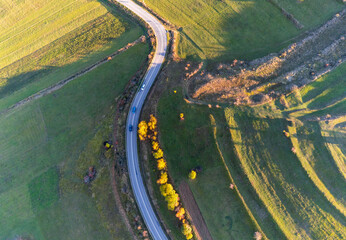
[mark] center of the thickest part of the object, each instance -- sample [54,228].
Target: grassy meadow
[65,56]
[185,148]
[26,26]
[47,146]
[224,30]
[291,187]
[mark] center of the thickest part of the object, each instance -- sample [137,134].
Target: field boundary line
[62,83]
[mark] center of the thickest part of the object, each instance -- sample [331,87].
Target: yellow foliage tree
[186,229]
[163,178]
[172,200]
[155,145]
[158,154]
[166,189]
[161,164]
[180,214]
[192,174]
[152,123]
[189,236]
[142,130]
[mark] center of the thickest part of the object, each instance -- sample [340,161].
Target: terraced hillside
[290,185]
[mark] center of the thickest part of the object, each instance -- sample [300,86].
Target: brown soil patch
[263,79]
[195,214]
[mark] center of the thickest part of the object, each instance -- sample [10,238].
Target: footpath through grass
[224,30]
[47,146]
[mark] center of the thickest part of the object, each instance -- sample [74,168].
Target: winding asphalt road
[138,187]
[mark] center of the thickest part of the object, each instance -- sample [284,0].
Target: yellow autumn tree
[166,189]
[155,145]
[163,178]
[161,164]
[186,229]
[158,154]
[192,174]
[142,130]
[172,200]
[189,236]
[180,214]
[152,123]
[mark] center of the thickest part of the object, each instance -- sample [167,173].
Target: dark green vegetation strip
[65,57]
[52,132]
[224,30]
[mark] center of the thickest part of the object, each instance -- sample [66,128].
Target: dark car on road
[130,128]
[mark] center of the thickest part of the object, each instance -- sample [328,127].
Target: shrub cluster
[149,131]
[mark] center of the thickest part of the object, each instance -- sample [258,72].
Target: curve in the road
[137,184]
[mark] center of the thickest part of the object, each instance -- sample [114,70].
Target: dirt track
[62,83]
[194,212]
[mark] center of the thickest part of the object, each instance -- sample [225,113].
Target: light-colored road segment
[138,187]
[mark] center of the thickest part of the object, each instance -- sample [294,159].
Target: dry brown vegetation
[260,80]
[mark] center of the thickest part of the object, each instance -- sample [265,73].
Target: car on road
[134,109]
[130,128]
[143,86]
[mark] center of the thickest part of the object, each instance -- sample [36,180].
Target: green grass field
[289,195]
[185,148]
[280,181]
[65,56]
[306,11]
[26,26]
[224,30]
[46,147]
[317,187]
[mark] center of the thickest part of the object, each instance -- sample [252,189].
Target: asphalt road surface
[138,187]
